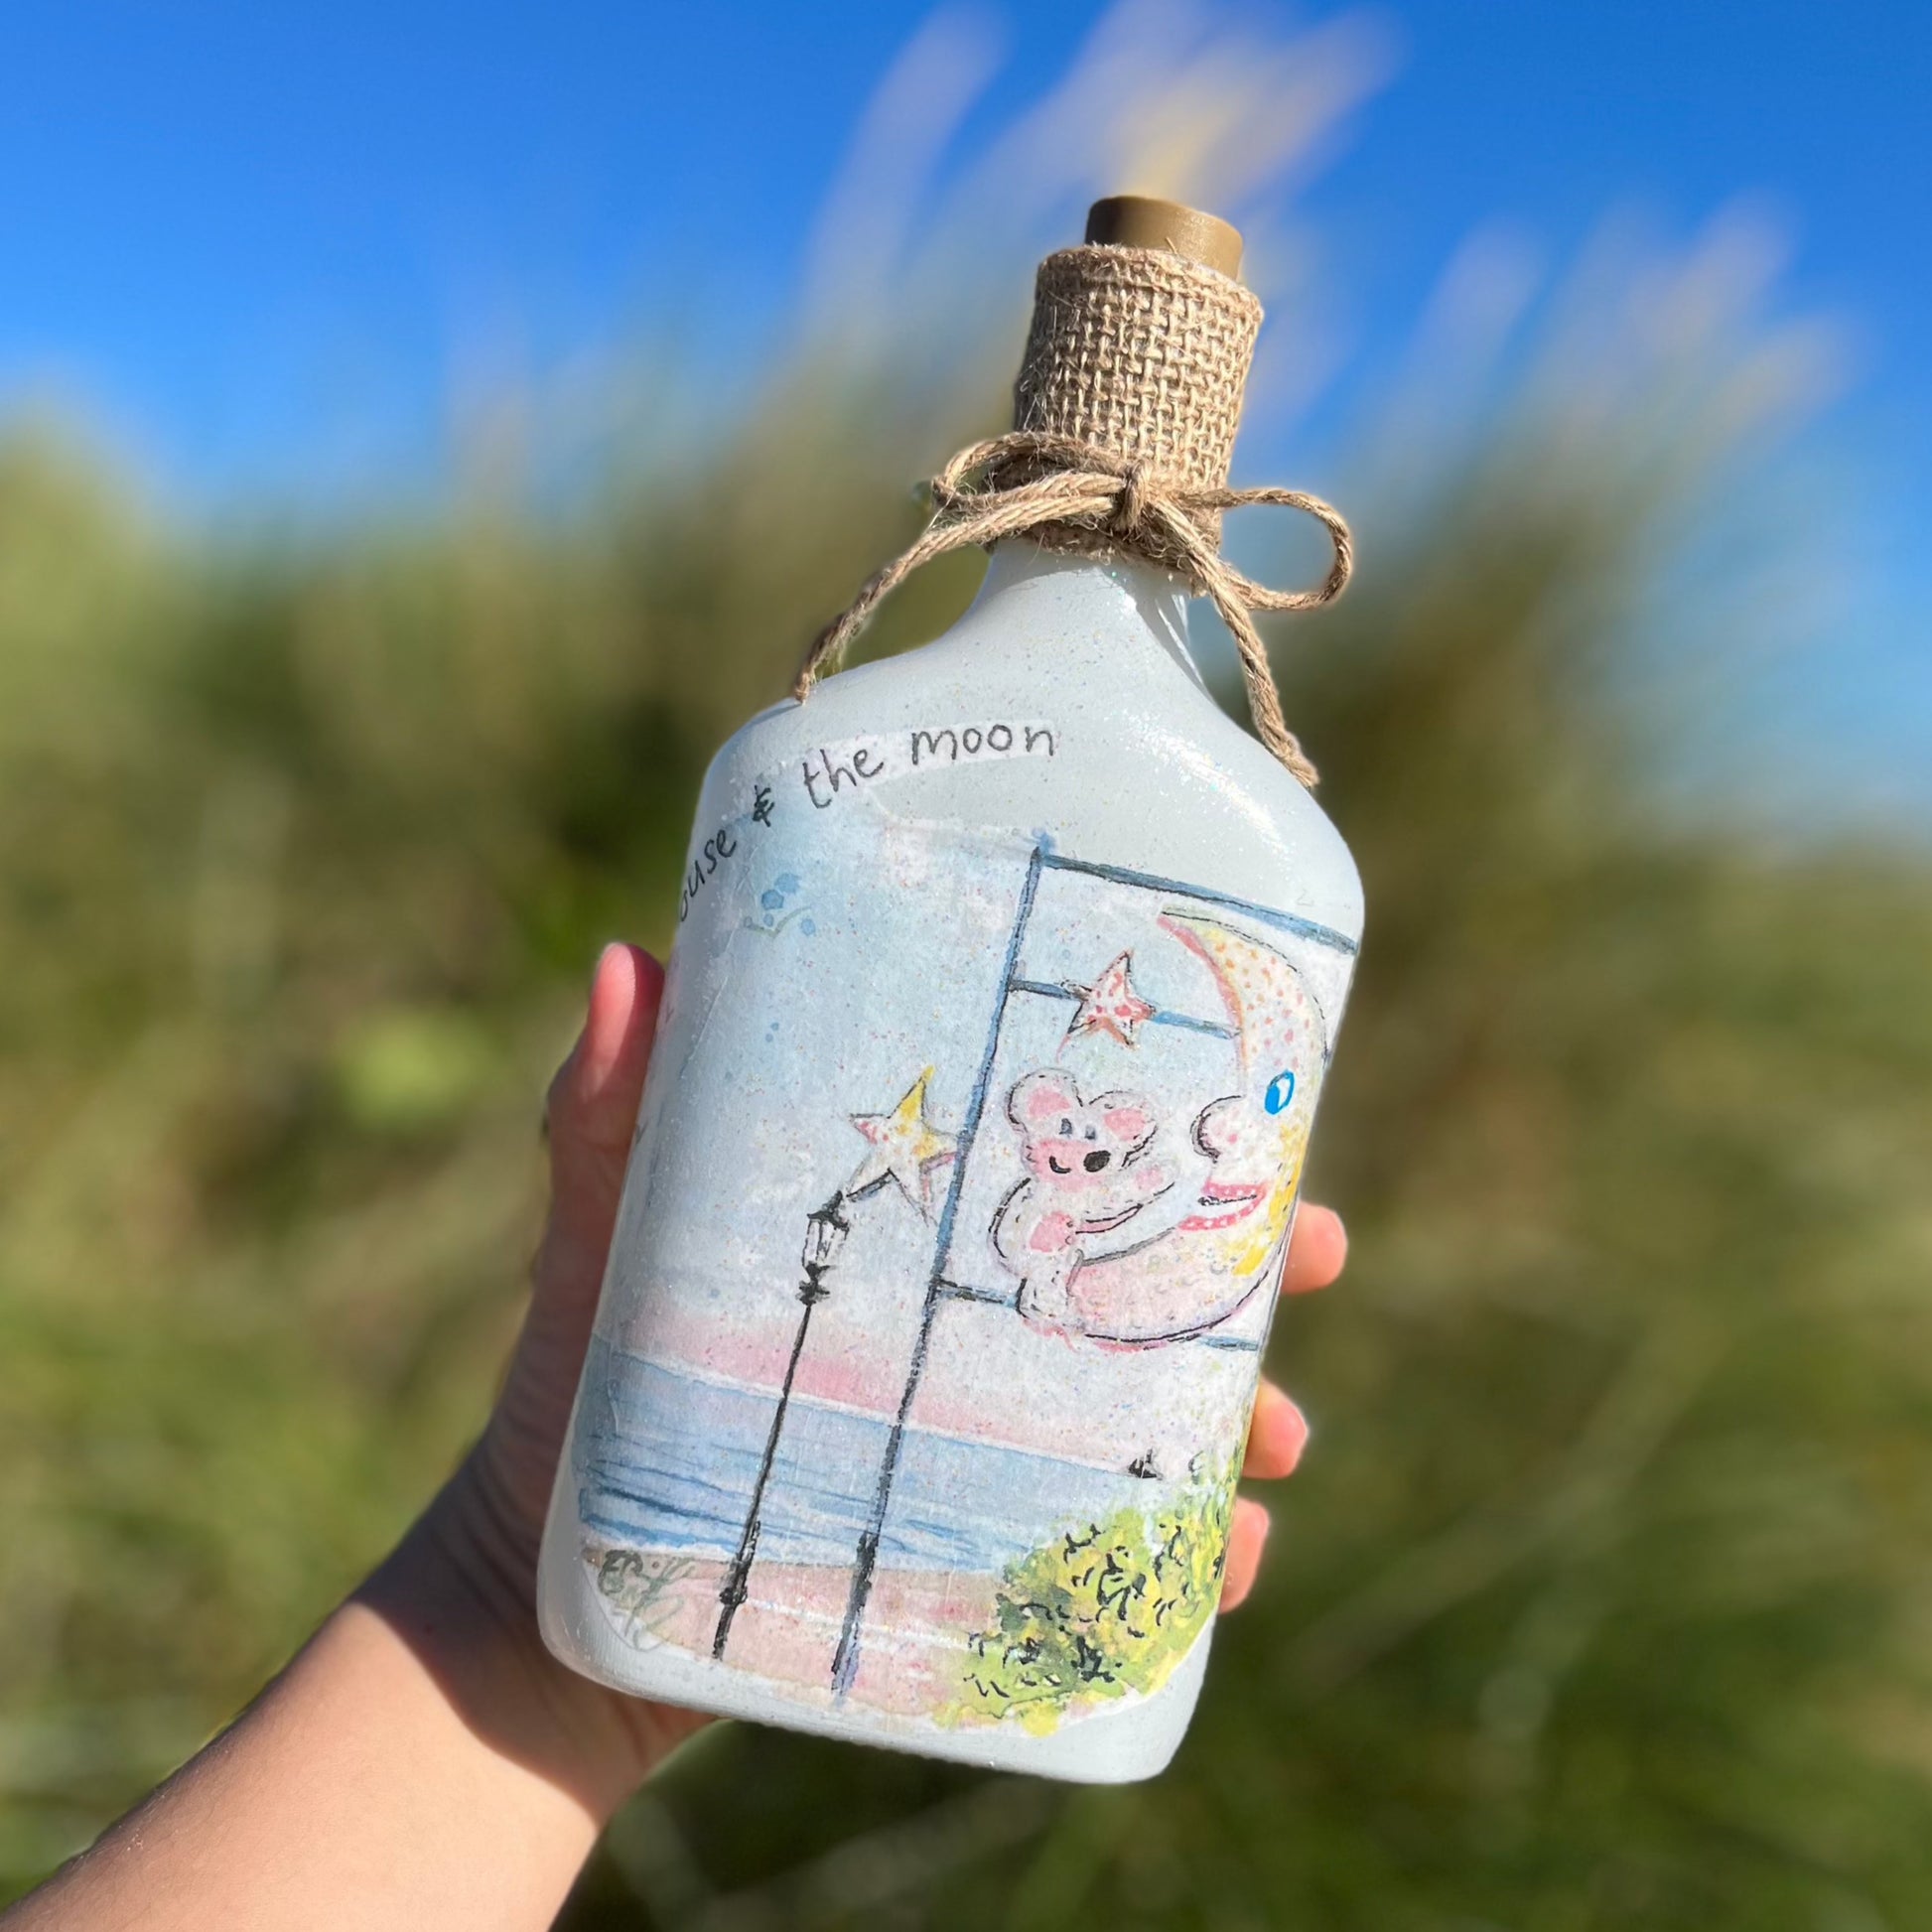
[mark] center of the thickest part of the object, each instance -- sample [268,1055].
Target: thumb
[591,1112]
[593,1106]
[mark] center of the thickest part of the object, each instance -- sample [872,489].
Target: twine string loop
[1131,507]
[1078,495]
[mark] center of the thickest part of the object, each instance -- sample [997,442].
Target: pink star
[1110,1004]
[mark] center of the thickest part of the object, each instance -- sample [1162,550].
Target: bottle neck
[1139,596]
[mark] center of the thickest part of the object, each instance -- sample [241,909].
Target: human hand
[484,1532]
[473,1558]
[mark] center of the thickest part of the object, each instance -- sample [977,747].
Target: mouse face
[1075,1146]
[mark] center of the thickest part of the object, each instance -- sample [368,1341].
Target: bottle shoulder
[1077,733]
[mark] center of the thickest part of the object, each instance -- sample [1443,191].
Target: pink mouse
[1085,1179]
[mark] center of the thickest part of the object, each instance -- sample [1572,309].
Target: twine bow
[1029,479]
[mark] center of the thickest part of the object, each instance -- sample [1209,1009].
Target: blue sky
[253,243]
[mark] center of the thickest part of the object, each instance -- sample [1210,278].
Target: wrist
[459,1591]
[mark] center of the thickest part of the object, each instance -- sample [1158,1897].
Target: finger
[593,1109]
[1247,1537]
[1277,1435]
[1316,1252]
[593,1104]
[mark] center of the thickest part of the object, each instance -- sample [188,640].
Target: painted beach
[667,1467]
[917,1625]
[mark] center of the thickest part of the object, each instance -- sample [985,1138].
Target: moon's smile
[1225,1202]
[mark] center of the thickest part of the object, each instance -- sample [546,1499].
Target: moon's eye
[1093,1132]
[1281,1091]
[1066,1128]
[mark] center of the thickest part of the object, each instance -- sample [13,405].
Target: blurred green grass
[1605,1598]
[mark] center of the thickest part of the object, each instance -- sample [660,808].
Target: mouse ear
[1037,1097]
[1128,1116]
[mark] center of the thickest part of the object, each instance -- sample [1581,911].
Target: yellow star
[904,1146]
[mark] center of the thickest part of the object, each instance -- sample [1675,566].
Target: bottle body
[1005,983]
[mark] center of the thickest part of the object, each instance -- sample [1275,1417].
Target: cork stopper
[1143,221]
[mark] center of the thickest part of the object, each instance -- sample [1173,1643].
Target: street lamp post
[826,1228]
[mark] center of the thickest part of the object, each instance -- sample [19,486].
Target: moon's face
[1246,1197]
[1221,1250]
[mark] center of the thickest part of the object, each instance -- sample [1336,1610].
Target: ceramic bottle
[1006,980]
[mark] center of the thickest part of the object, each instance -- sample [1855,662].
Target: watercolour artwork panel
[929,1394]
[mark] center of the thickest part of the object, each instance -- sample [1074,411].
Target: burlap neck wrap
[1142,355]
[1125,413]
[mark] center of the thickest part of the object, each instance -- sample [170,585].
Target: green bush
[1102,1610]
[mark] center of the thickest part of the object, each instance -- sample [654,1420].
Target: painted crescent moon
[1197,1274]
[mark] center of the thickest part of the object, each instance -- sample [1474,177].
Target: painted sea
[665,1461]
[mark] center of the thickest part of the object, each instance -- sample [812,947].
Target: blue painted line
[961,1291]
[1323,936]
[845,1661]
[1046,990]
